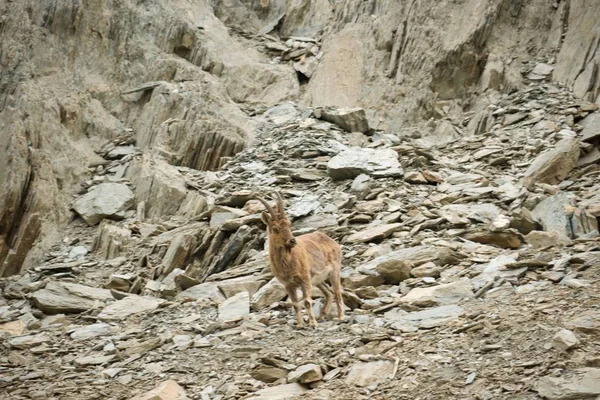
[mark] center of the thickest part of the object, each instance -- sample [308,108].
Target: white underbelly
[321,277]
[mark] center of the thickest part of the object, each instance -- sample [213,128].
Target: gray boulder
[559,214]
[354,161]
[349,119]
[107,200]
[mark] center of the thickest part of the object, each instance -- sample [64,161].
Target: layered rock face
[399,58]
[75,75]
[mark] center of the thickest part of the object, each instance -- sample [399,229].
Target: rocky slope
[454,157]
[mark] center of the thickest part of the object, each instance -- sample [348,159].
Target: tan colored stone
[553,165]
[249,284]
[236,306]
[281,392]
[167,390]
[107,200]
[306,373]
[13,328]
[268,374]
[110,240]
[540,239]
[271,292]
[583,383]
[64,297]
[394,271]
[365,374]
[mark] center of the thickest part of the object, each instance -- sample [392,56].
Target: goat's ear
[265,217]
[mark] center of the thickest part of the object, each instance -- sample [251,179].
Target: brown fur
[303,262]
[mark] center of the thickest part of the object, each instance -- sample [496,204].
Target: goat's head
[278,224]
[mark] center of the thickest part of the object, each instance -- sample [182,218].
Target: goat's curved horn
[280,205]
[267,206]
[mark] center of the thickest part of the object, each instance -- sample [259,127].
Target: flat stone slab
[375,233]
[306,373]
[426,319]
[587,322]
[553,165]
[416,255]
[449,293]
[281,392]
[207,290]
[29,341]
[591,127]
[167,390]
[64,297]
[271,292]
[91,331]
[129,306]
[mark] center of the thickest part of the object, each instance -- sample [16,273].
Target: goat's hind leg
[336,285]
[291,291]
[328,300]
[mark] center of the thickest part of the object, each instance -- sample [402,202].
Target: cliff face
[174,74]
[397,58]
[77,74]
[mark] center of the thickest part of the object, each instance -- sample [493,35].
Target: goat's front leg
[291,291]
[307,292]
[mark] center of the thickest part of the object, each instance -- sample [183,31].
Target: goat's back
[321,250]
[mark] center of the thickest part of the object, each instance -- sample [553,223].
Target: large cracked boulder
[366,374]
[352,162]
[107,200]
[268,294]
[560,214]
[128,306]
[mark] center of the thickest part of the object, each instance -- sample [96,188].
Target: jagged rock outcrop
[81,73]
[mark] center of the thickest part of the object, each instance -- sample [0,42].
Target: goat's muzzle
[292,243]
